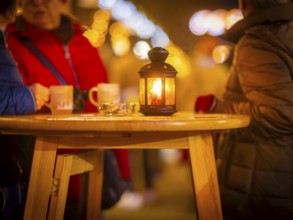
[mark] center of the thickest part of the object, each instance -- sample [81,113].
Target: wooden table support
[204,175]
[41,178]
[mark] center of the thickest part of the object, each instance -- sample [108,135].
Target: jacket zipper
[69,60]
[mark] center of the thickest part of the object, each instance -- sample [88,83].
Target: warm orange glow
[155,91]
[97,32]
[179,59]
[157,87]
[169,91]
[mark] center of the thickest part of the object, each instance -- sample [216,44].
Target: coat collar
[282,12]
[23,29]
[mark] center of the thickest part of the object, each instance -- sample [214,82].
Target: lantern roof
[158,66]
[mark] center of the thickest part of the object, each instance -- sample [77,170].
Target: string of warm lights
[131,22]
[213,23]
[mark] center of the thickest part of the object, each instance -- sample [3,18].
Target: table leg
[61,176]
[204,176]
[41,178]
[95,188]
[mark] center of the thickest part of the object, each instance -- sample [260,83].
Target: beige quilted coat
[255,164]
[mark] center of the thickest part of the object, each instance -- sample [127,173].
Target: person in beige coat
[255,164]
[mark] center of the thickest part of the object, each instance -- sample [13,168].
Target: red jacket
[67,49]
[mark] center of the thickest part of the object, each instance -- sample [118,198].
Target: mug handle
[91,98]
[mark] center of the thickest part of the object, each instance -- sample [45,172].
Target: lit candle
[156,92]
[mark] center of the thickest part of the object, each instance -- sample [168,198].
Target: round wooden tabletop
[180,121]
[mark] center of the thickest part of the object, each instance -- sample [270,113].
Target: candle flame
[157,88]
[156,92]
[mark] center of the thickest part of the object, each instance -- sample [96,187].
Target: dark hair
[253,6]
[258,4]
[8,8]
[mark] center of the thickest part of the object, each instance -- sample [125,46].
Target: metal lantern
[157,85]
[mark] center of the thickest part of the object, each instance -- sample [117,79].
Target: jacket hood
[283,12]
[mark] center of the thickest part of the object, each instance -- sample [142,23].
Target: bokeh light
[107,4]
[213,23]
[197,22]
[232,17]
[123,10]
[141,49]
[160,38]
[221,53]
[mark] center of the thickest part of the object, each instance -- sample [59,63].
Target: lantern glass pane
[170,91]
[154,87]
[142,91]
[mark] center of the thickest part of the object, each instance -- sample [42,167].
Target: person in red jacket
[42,35]
[60,39]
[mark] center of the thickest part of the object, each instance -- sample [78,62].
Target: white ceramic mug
[61,99]
[105,93]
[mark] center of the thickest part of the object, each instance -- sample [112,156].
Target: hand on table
[41,94]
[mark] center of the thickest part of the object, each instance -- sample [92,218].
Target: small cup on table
[61,99]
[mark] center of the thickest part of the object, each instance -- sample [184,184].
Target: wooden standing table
[92,131]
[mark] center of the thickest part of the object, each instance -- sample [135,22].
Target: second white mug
[106,93]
